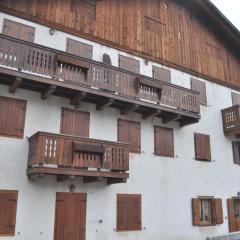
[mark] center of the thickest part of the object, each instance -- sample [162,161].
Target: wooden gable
[149,29]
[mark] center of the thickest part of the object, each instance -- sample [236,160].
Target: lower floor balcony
[70,157]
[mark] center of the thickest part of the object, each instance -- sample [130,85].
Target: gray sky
[231,9]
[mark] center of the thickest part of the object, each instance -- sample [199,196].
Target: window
[163,141]
[8,209]
[129,132]
[200,87]
[129,64]
[129,212]
[233,205]
[235,99]
[202,147]
[12,117]
[79,49]
[162,74]
[18,30]
[236,152]
[75,122]
[207,211]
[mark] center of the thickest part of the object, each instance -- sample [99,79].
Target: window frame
[211,210]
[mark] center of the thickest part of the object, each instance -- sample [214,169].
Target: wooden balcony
[69,157]
[49,71]
[231,121]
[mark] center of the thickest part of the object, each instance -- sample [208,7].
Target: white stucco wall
[167,185]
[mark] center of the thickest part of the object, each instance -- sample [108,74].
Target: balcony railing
[76,156]
[66,68]
[231,120]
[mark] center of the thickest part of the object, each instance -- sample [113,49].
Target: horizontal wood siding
[12,117]
[170,32]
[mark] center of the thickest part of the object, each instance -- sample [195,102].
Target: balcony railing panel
[39,60]
[231,120]
[58,151]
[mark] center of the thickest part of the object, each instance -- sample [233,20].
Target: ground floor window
[8,209]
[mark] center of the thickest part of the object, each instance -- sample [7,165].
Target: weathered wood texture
[54,149]
[202,147]
[167,31]
[67,68]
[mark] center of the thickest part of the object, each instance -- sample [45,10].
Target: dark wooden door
[70,216]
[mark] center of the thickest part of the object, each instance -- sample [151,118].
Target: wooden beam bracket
[129,108]
[152,113]
[105,103]
[186,122]
[15,85]
[170,118]
[116,180]
[48,92]
[78,98]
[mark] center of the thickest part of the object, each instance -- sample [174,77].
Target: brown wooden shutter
[129,216]
[201,88]
[163,141]
[18,30]
[75,122]
[129,64]
[231,217]
[79,49]
[202,147]
[130,132]
[12,117]
[195,211]
[236,155]
[8,210]
[235,99]
[218,210]
[162,74]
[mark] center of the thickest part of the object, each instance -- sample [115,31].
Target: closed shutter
[79,49]
[202,147]
[163,141]
[75,122]
[130,132]
[107,59]
[162,74]
[129,64]
[235,99]
[195,211]
[231,218]
[129,215]
[8,210]
[218,210]
[200,87]
[12,117]
[18,30]
[236,155]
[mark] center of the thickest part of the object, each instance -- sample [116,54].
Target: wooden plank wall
[164,31]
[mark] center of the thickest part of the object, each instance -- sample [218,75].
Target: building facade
[106,140]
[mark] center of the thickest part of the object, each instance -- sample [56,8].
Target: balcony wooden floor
[48,71]
[70,157]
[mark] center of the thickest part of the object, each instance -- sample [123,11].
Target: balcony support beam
[116,180]
[129,108]
[90,179]
[36,176]
[186,122]
[105,103]
[170,117]
[15,85]
[78,98]
[48,92]
[152,113]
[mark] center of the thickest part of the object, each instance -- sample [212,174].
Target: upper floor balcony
[231,121]
[50,71]
[70,156]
